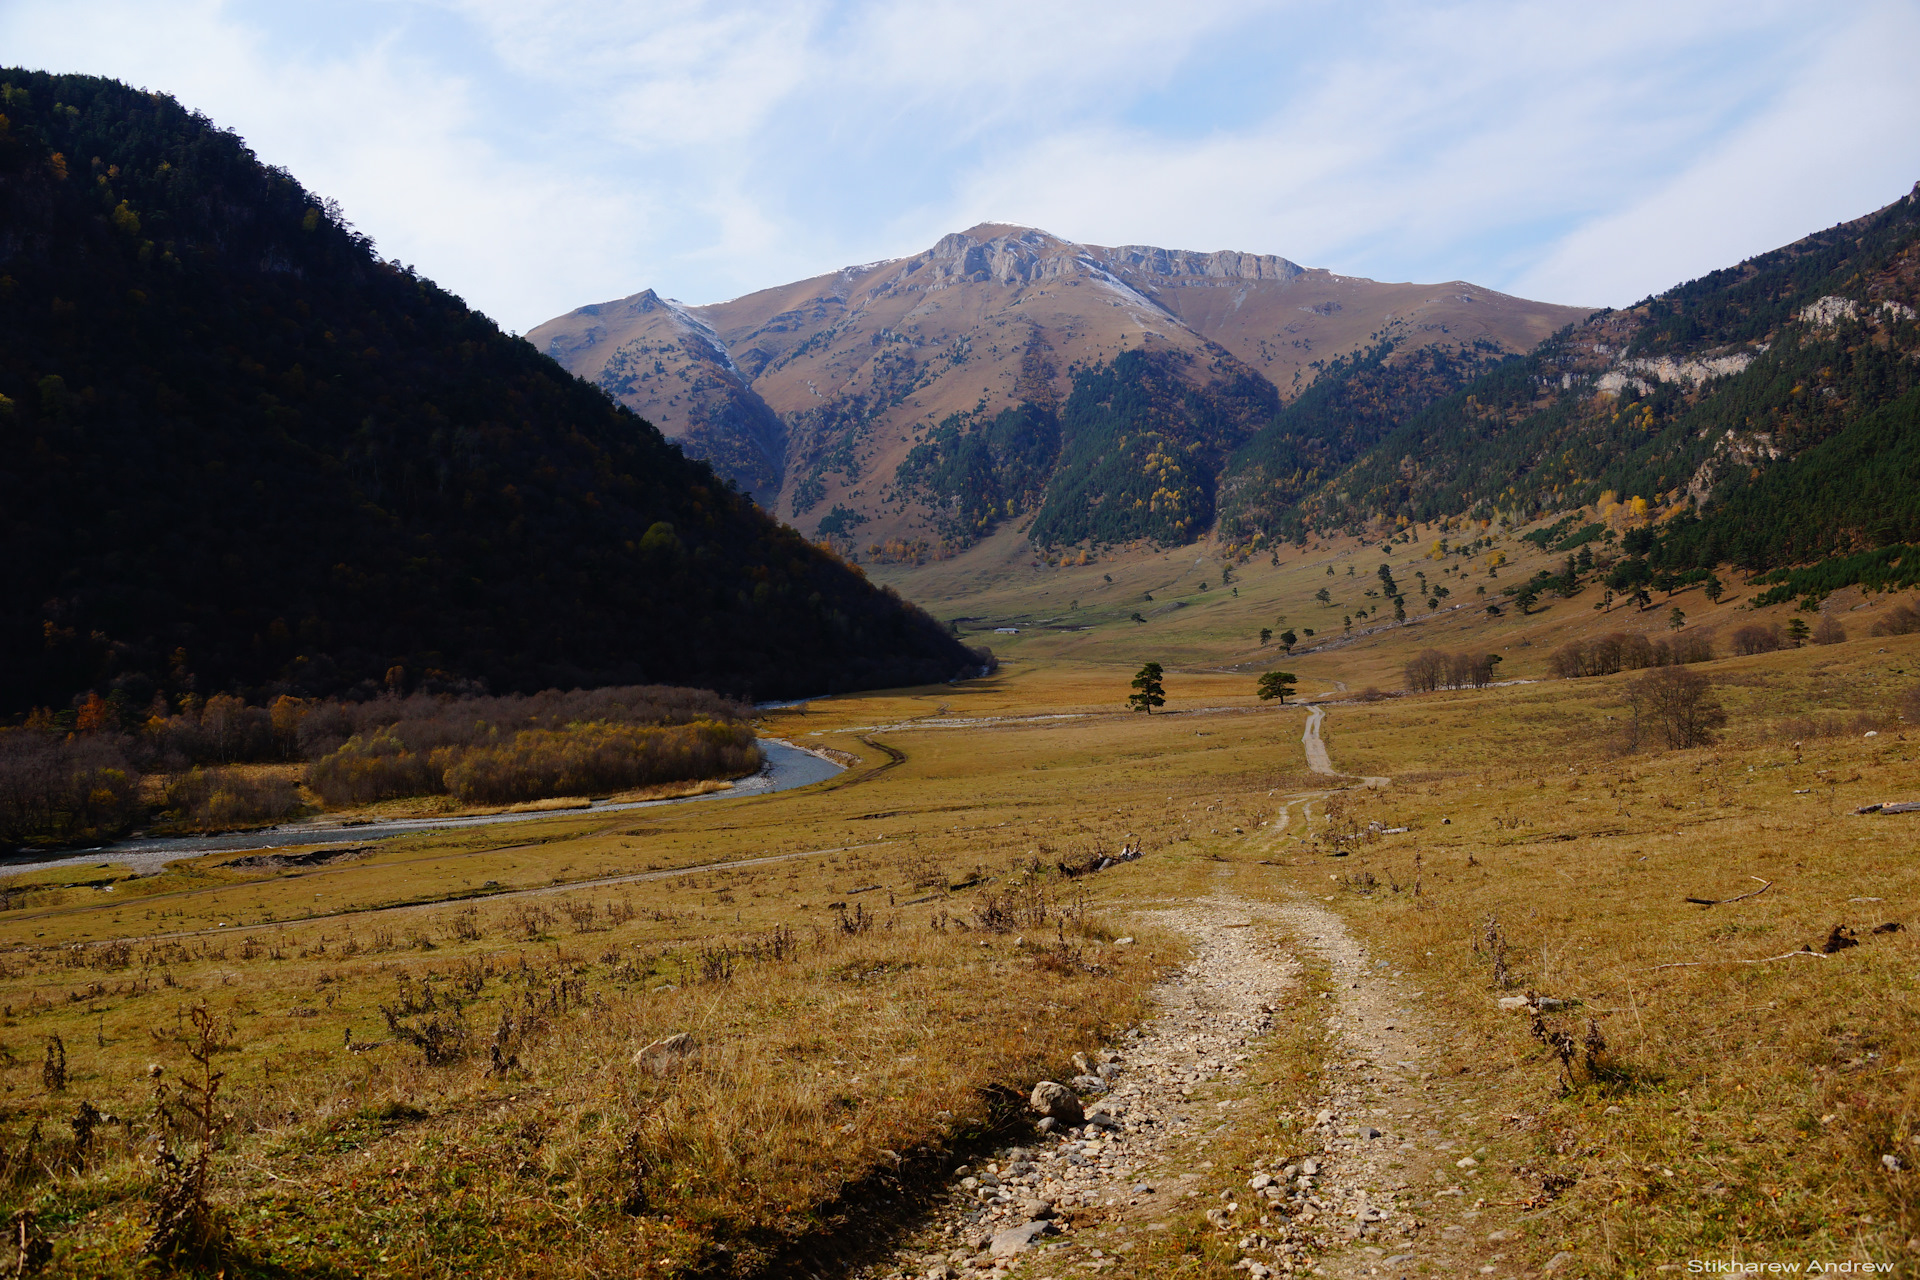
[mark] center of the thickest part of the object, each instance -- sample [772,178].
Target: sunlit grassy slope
[1083,613]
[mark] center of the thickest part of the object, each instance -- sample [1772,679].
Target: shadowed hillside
[241,451]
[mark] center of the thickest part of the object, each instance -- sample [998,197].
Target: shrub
[1757,639]
[1901,620]
[64,790]
[1679,705]
[366,770]
[599,758]
[220,799]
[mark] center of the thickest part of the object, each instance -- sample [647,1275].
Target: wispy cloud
[538,154]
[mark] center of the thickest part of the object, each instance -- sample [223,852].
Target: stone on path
[1018,1239]
[1053,1099]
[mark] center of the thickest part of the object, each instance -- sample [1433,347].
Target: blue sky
[535,155]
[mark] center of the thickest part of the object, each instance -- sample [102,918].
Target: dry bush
[1679,705]
[528,920]
[221,799]
[185,1224]
[1829,631]
[1754,639]
[1901,620]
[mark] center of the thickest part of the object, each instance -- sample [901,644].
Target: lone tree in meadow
[1678,704]
[1288,640]
[1276,684]
[1148,691]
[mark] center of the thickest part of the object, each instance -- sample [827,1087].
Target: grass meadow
[433,1050]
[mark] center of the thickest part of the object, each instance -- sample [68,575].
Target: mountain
[1763,413]
[926,398]
[239,451]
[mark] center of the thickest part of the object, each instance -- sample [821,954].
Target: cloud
[535,155]
[1838,141]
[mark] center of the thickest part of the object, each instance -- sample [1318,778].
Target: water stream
[786,768]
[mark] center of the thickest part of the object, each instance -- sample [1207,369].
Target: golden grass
[1771,1091]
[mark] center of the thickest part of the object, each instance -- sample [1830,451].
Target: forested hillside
[239,451]
[1770,401]
[1353,402]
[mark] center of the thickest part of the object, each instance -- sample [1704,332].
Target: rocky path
[1383,1177]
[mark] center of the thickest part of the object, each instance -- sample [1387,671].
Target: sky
[537,155]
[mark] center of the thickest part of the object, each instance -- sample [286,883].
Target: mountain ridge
[863,364]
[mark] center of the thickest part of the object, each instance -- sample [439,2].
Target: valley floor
[1495,998]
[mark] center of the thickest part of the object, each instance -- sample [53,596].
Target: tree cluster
[1628,651]
[1431,669]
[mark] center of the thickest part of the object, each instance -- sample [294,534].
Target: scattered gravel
[1385,1179]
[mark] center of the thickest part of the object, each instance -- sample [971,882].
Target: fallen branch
[1719,902]
[1689,964]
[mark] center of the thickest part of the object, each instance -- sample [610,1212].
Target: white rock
[663,1055]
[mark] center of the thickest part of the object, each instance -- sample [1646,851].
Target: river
[786,768]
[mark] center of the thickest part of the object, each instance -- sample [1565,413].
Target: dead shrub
[1750,640]
[528,920]
[186,1227]
[1901,620]
[466,925]
[584,917]
[1679,705]
[53,1068]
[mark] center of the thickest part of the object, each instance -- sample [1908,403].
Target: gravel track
[1384,1176]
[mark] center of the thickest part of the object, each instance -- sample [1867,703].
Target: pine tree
[1148,691]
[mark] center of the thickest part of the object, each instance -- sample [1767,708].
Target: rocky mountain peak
[833,383]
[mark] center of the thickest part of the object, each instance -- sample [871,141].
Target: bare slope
[861,363]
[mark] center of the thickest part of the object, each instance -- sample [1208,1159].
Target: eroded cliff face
[812,395]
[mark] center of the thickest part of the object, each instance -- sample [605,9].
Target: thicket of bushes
[1901,620]
[580,759]
[595,759]
[64,790]
[221,799]
[74,776]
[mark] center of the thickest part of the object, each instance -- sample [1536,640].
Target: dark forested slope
[237,450]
